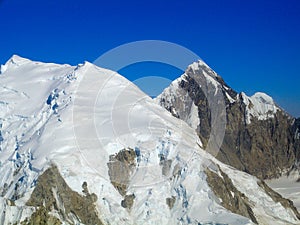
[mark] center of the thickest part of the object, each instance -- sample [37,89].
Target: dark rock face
[128,201]
[171,201]
[232,199]
[121,167]
[265,147]
[53,193]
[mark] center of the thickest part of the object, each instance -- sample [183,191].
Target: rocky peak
[259,137]
[200,68]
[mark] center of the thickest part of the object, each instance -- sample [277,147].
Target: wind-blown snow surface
[50,114]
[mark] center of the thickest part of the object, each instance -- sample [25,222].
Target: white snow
[199,65]
[260,106]
[288,187]
[193,119]
[76,117]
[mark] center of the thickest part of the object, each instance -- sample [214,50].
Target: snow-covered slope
[143,165]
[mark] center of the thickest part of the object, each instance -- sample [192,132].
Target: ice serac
[141,166]
[260,137]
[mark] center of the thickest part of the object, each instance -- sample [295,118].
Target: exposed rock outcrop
[52,194]
[171,201]
[264,148]
[231,198]
[121,167]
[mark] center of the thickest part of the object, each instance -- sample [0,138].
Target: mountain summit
[260,138]
[83,145]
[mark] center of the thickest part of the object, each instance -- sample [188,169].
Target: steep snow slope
[81,119]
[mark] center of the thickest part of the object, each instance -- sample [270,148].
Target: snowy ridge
[206,71]
[260,106]
[199,65]
[47,119]
[14,61]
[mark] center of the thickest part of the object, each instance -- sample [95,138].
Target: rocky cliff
[260,138]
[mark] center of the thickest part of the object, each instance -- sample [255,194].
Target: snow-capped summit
[198,66]
[260,105]
[83,145]
[14,61]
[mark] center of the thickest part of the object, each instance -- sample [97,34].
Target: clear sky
[254,45]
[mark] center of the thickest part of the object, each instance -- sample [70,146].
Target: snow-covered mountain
[83,145]
[260,138]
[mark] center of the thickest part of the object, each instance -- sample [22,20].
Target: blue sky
[254,45]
